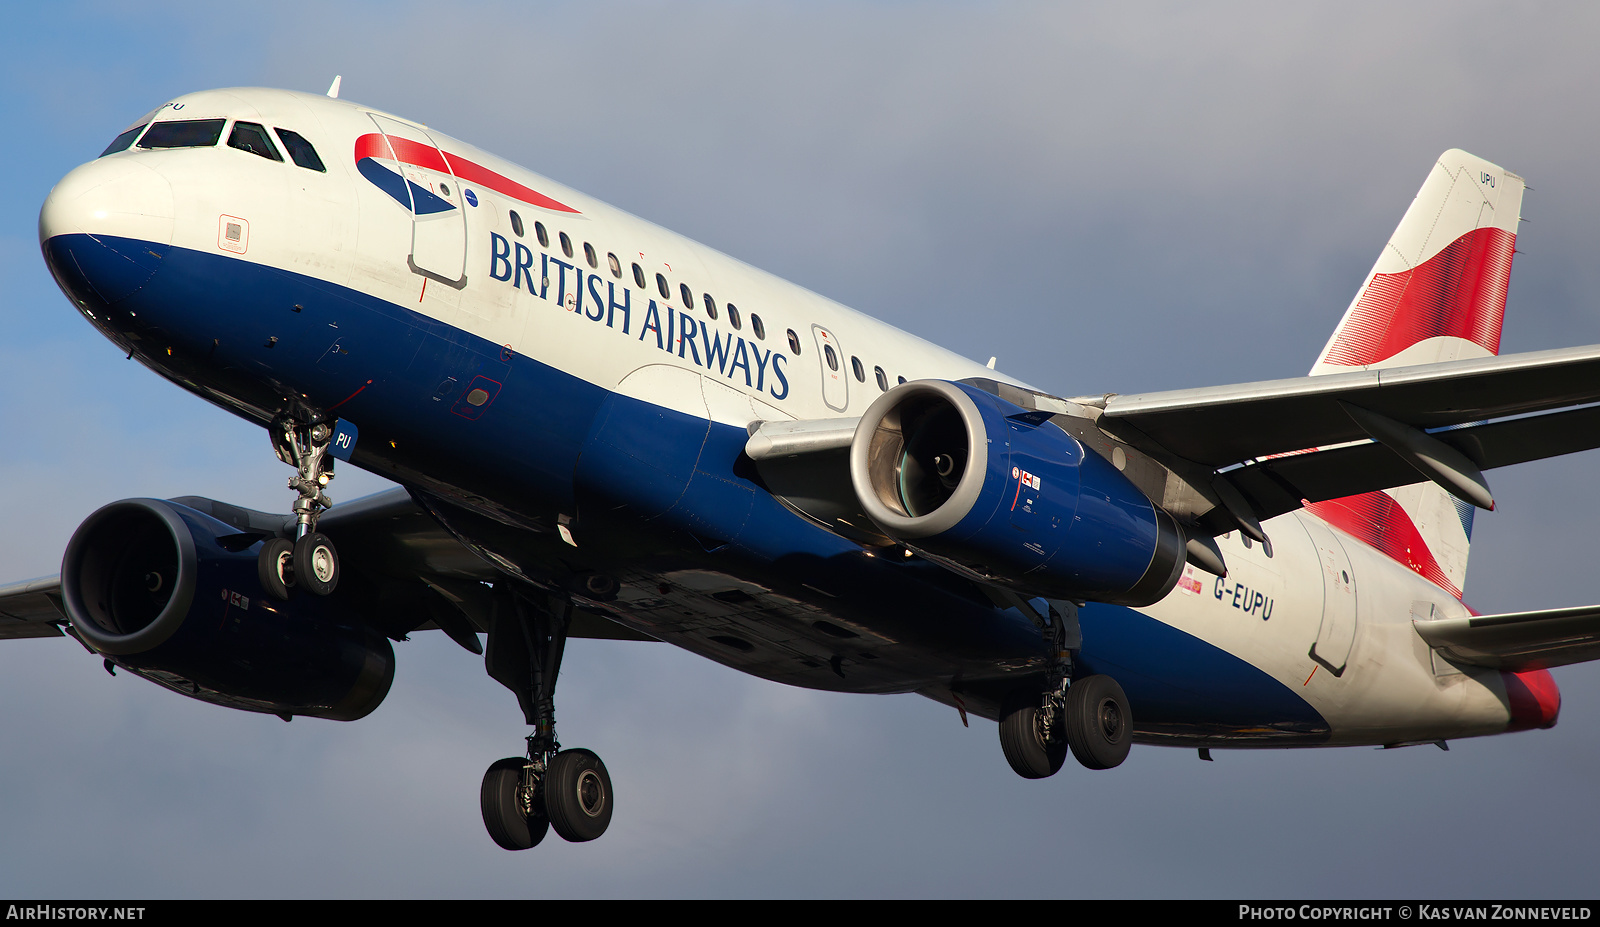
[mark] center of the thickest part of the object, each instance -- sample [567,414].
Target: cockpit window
[121,142]
[248,136]
[300,150]
[183,133]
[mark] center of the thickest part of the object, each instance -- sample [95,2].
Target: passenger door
[438,221]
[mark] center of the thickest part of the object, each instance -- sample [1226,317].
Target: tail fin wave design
[1436,293]
[1458,293]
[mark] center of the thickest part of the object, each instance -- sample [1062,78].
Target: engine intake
[148,583]
[997,492]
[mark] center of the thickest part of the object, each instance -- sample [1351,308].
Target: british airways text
[672,331]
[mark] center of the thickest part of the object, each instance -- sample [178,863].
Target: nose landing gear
[310,560]
[567,790]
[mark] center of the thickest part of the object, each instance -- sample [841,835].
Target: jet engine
[173,594]
[997,492]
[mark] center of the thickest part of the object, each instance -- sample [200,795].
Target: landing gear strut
[1090,715]
[568,790]
[309,560]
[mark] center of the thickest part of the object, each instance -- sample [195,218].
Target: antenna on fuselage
[333,88]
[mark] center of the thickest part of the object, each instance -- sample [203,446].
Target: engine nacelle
[173,595]
[994,491]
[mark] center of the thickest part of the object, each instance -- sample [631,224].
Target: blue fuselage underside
[671,492]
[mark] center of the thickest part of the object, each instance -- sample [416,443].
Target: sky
[1108,197]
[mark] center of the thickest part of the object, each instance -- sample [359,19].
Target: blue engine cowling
[997,492]
[172,594]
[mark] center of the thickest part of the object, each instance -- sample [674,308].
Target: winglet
[333,88]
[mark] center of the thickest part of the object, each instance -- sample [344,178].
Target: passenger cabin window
[883,381]
[711,304]
[638,277]
[757,327]
[566,245]
[661,285]
[248,136]
[590,256]
[300,150]
[794,343]
[121,142]
[687,294]
[516,223]
[733,316]
[616,265]
[183,133]
[856,368]
[541,234]
[902,379]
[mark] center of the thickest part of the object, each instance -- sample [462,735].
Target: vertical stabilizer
[1436,293]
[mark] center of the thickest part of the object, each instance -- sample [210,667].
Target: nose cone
[104,228]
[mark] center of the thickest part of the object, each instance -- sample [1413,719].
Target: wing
[1312,438]
[31,608]
[1231,456]
[413,568]
[1518,640]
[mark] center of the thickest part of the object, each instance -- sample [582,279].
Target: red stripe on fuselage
[374,145]
[1459,292]
[1378,521]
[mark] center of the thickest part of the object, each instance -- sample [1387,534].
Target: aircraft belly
[537,444]
[549,444]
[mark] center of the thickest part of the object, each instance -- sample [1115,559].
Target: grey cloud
[1110,198]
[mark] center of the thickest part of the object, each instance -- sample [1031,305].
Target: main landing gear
[309,561]
[1089,716]
[568,790]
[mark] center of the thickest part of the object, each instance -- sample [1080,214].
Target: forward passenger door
[438,221]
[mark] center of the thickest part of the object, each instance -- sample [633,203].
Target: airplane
[601,429]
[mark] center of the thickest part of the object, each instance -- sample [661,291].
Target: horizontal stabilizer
[1519,640]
